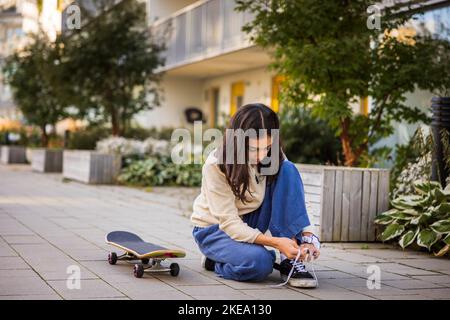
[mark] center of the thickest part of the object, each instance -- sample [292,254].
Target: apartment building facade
[213,66]
[210,64]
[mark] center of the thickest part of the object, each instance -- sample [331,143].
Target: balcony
[204,30]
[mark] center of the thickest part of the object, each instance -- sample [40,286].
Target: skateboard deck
[133,244]
[149,254]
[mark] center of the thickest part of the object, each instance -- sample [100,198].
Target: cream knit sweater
[217,204]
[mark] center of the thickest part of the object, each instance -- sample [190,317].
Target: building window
[237,96]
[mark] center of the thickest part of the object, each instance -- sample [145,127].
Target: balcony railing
[202,30]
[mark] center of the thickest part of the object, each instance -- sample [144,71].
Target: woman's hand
[288,247]
[313,251]
[312,254]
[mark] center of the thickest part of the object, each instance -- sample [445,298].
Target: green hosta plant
[423,217]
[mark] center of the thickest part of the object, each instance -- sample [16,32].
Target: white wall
[258,88]
[178,94]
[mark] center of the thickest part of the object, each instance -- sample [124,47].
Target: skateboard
[149,254]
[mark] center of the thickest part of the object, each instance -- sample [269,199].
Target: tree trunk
[350,157]
[125,124]
[115,123]
[44,137]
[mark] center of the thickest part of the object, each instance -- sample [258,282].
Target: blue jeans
[282,211]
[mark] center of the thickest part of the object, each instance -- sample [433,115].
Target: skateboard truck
[146,265]
[156,266]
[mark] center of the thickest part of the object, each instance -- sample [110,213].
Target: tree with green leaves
[109,64]
[31,75]
[331,58]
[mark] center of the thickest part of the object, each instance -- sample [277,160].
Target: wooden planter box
[12,154]
[342,202]
[90,166]
[29,155]
[46,160]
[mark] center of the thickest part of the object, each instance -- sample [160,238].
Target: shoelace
[296,264]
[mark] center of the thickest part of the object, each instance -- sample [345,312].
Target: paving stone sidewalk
[47,225]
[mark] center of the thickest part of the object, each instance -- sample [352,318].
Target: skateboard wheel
[174,269]
[138,271]
[112,258]
[145,261]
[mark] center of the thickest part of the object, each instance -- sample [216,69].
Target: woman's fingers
[305,254]
[293,252]
[308,252]
[311,252]
[316,253]
[294,240]
[290,247]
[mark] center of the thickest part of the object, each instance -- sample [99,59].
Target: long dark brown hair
[250,116]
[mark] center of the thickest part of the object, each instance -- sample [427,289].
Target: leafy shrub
[160,170]
[423,217]
[420,170]
[137,133]
[28,137]
[87,139]
[404,155]
[55,142]
[140,133]
[414,162]
[307,139]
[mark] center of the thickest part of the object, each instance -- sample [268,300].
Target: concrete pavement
[48,225]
